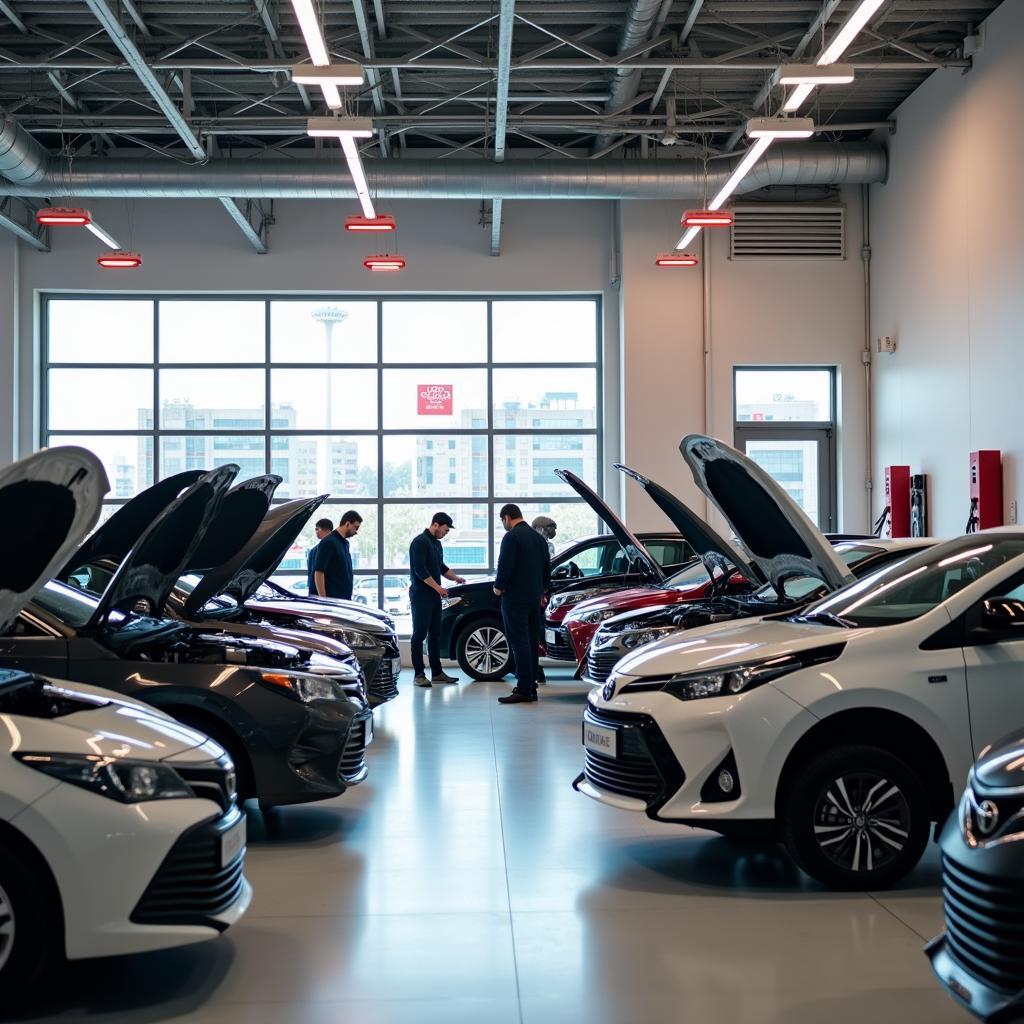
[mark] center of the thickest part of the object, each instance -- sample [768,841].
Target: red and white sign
[434,399]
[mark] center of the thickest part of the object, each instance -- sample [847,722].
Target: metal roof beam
[506,24]
[19,217]
[254,220]
[11,15]
[109,20]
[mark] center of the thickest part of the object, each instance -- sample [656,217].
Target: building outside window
[334,396]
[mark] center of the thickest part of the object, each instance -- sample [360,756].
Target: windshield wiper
[826,619]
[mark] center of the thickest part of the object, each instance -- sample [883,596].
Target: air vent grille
[770,232]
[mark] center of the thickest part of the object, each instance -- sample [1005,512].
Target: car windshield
[912,587]
[695,575]
[72,607]
[186,584]
[798,588]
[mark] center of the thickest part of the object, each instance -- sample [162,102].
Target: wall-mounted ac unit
[775,232]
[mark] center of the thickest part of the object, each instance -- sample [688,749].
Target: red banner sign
[434,399]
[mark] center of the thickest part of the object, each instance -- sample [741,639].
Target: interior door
[801,459]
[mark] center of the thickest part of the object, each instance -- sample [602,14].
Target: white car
[119,827]
[839,729]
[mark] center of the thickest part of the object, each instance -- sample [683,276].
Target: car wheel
[30,932]
[856,818]
[483,652]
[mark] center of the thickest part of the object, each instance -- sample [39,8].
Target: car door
[32,645]
[995,673]
[593,559]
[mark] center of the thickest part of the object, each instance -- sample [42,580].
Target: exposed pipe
[865,355]
[32,171]
[626,83]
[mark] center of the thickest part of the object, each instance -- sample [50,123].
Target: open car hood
[242,576]
[151,568]
[714,550]
[119,534]
[239,516]
[50,501]
[635,551]
[769,523]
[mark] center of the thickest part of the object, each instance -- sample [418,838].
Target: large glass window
[397,408]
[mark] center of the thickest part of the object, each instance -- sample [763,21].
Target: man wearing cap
[548,529]
[427,568]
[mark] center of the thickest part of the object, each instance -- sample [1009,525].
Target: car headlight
[357,639]
[450,602]
[575,597]
[728,682]
[306,688]
[639,637]
[129,782]
[594,616]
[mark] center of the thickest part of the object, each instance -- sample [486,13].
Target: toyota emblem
[988,817]
[608,690]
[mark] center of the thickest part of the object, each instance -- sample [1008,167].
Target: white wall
[946,278]
[761,312]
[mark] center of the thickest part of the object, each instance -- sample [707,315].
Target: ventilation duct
[774,231]
[33,172]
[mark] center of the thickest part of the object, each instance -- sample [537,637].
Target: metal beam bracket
[19,217]
[254,218]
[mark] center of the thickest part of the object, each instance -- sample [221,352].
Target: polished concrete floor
[466,882]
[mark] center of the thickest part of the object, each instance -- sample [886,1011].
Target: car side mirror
[561,573]
[1003,615]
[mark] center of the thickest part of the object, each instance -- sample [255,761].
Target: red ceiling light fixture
[676,259]
[707,219]
[120,260]
[382,222]
[384,263]
[63,216]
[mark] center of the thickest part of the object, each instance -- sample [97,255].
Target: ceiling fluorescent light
[121,260]
[328,74]
[63,216]
[309,25]
[780,128]
[707,219]
[384,263]
[355,167]
[815,74]
[339,127]
[797,97]
[102,235]
[382,222]
[676,259]
[849,31]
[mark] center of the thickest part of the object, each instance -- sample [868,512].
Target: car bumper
[381,672]
[557,644]
[115,854]
[580,635]
[678,749]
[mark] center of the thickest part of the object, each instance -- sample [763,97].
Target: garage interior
[537,157]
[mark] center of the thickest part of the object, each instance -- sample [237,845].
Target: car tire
[482,651]
[30,927]
[828,833]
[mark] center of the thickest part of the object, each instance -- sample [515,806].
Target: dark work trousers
[426,625]
[522,627]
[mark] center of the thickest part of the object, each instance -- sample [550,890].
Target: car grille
[384,685]
[985,925]
[190,886]
[601,663]
[353,758]
[635,772]
[214,781]
[562,647]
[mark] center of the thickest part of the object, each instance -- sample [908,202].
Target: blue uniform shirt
[334,560]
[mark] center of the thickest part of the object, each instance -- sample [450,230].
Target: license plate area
[232,843]
[601,739]
[549,637]
[368,731]
[396,666]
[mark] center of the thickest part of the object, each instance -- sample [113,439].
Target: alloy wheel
[862,821]
[6,929]
[487,649]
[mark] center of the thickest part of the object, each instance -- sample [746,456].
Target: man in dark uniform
[322,528]
[332,564]
[427,569]
[523,580]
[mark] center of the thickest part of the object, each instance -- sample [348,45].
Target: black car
[979,958]
[293,720]
[471,628]
[225,580]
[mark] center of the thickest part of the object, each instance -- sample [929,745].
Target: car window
[695,575]
[914,586]
[669,552]
[71,606]
[593,559]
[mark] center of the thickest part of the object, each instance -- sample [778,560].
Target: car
[120,831]
[472,632]
[293,719]
[978,957]
[837,729]
[225,580]
[643,569]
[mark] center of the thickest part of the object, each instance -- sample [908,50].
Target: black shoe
[515,697]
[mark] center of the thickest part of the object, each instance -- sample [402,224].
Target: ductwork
[33,172]
[639,19]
